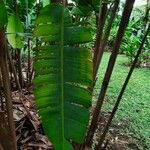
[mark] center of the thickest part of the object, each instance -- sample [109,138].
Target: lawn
[135,106]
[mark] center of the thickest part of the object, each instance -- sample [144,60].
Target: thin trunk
[101,23]
[98,24]
[28,47]
[18,53]
[66,2]
[15,5]
[29,65]
[102,138]
[124,22]
[19,87]
[97,18]
[14,71]
[7,92]
[110,7]
[106,35]
[32,75]
[76,146]
[1,91]
[55,1]
[1,147]
[5,136]
[19,67]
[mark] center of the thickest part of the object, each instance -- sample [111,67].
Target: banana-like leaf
[14,29]
[63,76]
[3,14]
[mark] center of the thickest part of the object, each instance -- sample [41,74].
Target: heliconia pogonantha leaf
[14,29]
[63,76]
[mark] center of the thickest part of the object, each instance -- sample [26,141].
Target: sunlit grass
[135,105]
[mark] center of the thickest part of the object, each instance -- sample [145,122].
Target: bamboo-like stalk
[102,138]
[18,51]
[12,66]
[101,22]
[7,91]
[28,75]
[105,37]
[29,64]
[124,22]
[19,67]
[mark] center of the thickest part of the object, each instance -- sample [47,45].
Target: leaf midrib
[62,76]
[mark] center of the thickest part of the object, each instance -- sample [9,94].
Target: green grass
[135,106]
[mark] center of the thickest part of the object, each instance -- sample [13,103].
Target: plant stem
[105,38]
[18,86]
[19,67]
[124,22]
[7,92]
[15,5]
[29,65]
[101,22]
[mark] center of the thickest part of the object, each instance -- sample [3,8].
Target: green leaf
[63,76]
[3,15]
[87,6]
[14,30]
[82,11]
[45,2]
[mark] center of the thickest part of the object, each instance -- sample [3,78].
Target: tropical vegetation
[52,86]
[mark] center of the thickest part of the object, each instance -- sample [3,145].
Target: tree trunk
[7,93]
[1,92]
